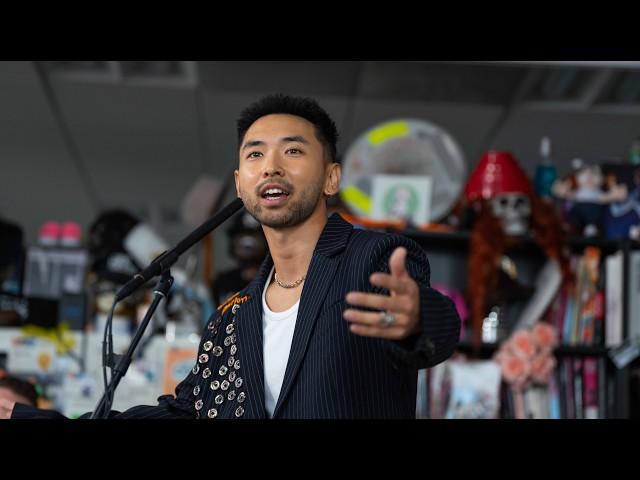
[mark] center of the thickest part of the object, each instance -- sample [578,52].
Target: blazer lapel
[322,269]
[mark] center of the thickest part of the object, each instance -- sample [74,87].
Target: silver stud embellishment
[234,349]
[242,397]
[208,345]
[227,341]
[219,399]
[196,369]
[206,373]
[224,385]
[238,383]
[230,361]
[235,308]
[212,413]
[237,365]
[198,404]
[215,385]
[232,376]
[217,351]
[204,358]
[229,329]
[196,390]
[223,370]
[239,411]
[231,395]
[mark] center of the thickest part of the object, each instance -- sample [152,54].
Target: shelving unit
[449,249]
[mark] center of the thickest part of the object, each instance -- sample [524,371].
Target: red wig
[489,242]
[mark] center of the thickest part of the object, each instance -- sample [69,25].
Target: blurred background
[104,164]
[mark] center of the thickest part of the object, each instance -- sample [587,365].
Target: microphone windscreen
[197,204]
[144,244]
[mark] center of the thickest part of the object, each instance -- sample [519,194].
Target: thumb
[397,262]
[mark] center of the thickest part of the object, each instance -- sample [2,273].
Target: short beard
[294,214]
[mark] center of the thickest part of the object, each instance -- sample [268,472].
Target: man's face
[282,172]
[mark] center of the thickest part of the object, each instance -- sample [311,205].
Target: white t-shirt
[277,328]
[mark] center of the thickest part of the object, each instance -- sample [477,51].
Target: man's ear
[235,176]
[332,183]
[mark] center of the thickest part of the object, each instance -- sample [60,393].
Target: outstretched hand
[399,312]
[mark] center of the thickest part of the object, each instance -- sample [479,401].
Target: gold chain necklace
[289,285]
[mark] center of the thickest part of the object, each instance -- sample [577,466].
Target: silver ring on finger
[387,319]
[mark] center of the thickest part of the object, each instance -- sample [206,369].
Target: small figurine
[622,219]
[587,197]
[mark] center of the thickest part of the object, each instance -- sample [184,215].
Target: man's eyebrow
[252,143]
[295,138]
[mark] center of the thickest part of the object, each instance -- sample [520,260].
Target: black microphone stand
[168,258]
[160,266]
[120,363]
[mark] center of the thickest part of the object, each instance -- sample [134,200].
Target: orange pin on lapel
[232,302]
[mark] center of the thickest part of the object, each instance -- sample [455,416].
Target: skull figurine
[513,210]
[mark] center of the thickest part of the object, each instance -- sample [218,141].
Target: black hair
[21,387]
[303,107]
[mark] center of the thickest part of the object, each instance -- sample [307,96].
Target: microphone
[168,258]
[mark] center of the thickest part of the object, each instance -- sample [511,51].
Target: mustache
[282,184]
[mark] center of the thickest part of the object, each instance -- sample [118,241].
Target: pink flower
[528,356]
[515,370]
[545,336]
[522,344]
[542,367]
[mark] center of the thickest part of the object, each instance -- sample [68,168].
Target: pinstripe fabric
[331,372]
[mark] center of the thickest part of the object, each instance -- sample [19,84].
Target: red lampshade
[496,173]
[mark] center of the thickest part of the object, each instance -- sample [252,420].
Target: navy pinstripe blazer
[331,372]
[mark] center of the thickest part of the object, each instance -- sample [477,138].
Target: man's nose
[272,166]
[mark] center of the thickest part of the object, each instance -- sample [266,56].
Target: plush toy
[622,219]
[587,197]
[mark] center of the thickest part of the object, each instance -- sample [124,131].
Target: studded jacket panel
[216,378]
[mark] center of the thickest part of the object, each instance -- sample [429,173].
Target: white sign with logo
[402,197]
[30,355]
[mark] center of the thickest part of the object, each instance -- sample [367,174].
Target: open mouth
[274,193]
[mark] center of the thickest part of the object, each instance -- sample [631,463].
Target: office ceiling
[78,137]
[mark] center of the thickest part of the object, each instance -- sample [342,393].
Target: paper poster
[402,197]
[475,389]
